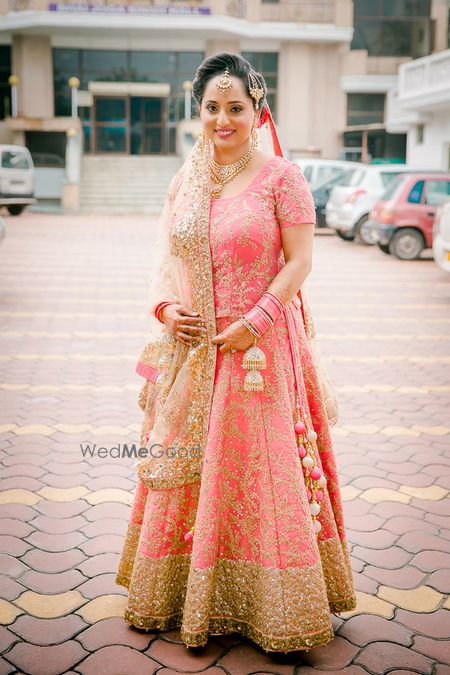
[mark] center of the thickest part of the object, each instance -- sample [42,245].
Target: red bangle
[264,313]
[159,308]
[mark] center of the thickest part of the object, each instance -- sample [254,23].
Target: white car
[351,201]
[17,180]
[441,237]
[320,171]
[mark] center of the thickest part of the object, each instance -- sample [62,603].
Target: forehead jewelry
[256,91]
[225,82]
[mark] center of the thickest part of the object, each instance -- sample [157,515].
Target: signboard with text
[126,9]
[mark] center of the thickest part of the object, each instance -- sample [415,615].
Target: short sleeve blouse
[294,203]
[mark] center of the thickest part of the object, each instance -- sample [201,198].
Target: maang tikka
[225,83]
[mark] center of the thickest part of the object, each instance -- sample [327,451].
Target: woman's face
[228,117]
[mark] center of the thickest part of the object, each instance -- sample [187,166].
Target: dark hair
[216,64]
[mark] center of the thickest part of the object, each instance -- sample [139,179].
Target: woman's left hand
[235,337]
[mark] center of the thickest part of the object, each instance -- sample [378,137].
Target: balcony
[424,84]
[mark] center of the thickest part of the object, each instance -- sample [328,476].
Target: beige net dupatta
[176,397]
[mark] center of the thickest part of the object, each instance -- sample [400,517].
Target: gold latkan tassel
[253,361]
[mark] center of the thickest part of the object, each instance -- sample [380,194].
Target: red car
[402,221]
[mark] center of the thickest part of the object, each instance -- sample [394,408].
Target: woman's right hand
[183,323]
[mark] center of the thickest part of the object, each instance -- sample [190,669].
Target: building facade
[328,63]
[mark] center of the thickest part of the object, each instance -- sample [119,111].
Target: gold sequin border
[340,598]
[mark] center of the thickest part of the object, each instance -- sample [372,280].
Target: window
[365,109]
[266,63]
[392,186]
[5,89]
[419,133]
[327,173]
[393,27]
[438,192]
[124,66]
[48,148]
[387,177]
[307,172]
[14,160]
[353,177]
[415,196]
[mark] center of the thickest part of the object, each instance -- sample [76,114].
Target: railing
[425,78]
[321,11]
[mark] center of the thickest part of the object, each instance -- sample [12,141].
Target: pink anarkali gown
[255,565]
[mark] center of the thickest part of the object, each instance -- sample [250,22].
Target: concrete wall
[311,110]
[434,152]
[32,63]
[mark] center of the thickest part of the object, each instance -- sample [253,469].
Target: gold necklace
[221,174]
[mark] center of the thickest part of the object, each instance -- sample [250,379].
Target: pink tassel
[189,535]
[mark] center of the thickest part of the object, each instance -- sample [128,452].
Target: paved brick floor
[72,322]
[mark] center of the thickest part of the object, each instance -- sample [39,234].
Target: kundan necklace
[221,174]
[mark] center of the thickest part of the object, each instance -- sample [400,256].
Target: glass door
[148,125]
[111,124]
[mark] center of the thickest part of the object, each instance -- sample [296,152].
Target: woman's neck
[229,156]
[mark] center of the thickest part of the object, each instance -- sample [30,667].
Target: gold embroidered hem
[280,610]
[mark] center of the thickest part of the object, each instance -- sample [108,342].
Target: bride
[237,522]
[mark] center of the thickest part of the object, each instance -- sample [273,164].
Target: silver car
[17,180]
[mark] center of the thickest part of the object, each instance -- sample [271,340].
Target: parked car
[441,237]
[17,179]
[321,195]
[351,202]
[402,221]
[2,229]
[320,171]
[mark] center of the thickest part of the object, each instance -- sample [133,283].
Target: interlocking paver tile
[10,589]
[61,509]
[391,374]
[43,561]
[55,660]
[434,625]
[47,606]
[103,607]
[117,660]
[435,649]
[54,583]
[420,599]
[371,604]
[102,584]
[8,612]
[113,632]
[6,640]
[365,628]
[47,631]
[99,564]
[380,656]
[48,542]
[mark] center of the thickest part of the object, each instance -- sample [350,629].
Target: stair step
[127,184]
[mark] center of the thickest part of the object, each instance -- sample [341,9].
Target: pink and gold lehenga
[255,564]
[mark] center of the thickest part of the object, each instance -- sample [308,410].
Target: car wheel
[16,209]
[346,236]
[363,234]
[407,244]
[384,248]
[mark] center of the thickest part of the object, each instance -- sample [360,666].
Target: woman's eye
[213,109]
